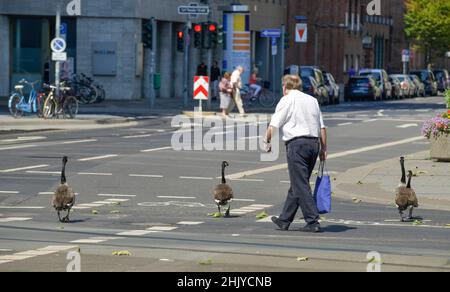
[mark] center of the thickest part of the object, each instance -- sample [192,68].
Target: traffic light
[210,36]
[198,35]
[180,41]
[220,35]
[147,34]
[287,40]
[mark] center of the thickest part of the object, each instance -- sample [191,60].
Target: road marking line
[285,182]
[33,253]
[284,166]
[23,139]
[136,233]
[80,208]
[117,200]
[137,136]
[176,197]
[23,168]
[9,192]
[15,257]
[58,248]
[423,110]
[116,195]
[79,141]
[14,219]
[243,200]
[43,172]
[46,193]
[162,228]
[156,149]
[95,174]
[94,240]
[370,121]
[19,207]
[380,113]
[345,124]
[98,157]
[251,138]
[405,126]
[146,175]
[189,223]
[103,202]
[17,147]
[261,206]
[196,178]
[5,250]
[90,205]
[246,180]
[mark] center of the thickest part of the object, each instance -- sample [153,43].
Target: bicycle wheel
[267,99]
[70,107]
[49,109]
[14,109]
[40,105]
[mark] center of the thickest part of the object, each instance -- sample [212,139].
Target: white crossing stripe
[43,172]
[156,149]
[98,157]
[146,175]
[345,124]
[9,192]
[196,178]
[34,253]
[162,228]
[243,200]
[176,197]
[135,233]
[14,219]
[189,223]
[405,126]
[94,240]
[95,174]
[117,200]
[21,207]
[116,195]
[79,141]
[137,136]
[23,168]
[17,147]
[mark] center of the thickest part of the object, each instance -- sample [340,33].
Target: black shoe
[312,228]
[281,225]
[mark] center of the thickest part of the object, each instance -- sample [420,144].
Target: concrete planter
[440,148]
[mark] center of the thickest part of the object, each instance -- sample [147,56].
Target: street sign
[274,47]
[271,33]
[301,33]
[406,56]
[63,31]
[58,45]
[201,87]
[59,57]
[193,10]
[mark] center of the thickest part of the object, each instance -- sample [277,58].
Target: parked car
[333,88]
[362,88]
[443,79]
[397,90]
[382,80]
[316,73]
[420,86]
[428,78]
[407,85]
[310,87]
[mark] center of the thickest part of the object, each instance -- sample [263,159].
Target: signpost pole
[283,50]
[274,60]
[58,64]
[186,68]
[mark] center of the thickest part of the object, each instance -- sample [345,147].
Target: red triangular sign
[301,32]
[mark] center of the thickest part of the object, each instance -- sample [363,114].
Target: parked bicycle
[86,89]
[18,103]
[63,104]
[265,98]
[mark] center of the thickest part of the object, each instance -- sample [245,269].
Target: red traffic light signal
[197,28]
[180,34]
[212,28]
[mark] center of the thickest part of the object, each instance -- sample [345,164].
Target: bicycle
[265,98]
[52,105]
[18,105]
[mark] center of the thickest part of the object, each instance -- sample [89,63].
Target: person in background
[226,90]
[236,82]
[305,135]
[202,70]
[254,86]
[352,72]
[215,76]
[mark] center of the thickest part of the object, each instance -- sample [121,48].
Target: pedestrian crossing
[97,204]
[35,253]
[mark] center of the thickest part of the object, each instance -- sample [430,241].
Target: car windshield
[377,77]
[423,75]
[360,82]
[306,81]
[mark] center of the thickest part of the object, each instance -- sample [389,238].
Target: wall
[4,56]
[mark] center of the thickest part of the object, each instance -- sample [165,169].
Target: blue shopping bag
[322,193]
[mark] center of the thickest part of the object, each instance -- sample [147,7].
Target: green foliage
[428,23]
[447,98]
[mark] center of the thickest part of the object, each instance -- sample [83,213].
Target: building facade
[105,42]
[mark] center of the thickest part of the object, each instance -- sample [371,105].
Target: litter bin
[157,81]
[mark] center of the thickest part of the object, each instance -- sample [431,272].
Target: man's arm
[323,145]
[268,139]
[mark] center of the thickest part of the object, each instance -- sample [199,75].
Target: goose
[223,193]
[406,198]
[403,179]
[64,197]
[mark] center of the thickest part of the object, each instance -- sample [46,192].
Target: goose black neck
[224,181]
[402,162]
[409,181]
[63,173]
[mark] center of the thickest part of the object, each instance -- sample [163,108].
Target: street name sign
[271,33]
[193,10]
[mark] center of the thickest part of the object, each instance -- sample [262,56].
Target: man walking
[305,135]
[236,82]
[215,76]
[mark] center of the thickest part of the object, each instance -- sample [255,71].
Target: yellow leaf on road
[262,215]
[357,201]
[206,262]
[95,212]
[121,253]
[302,259]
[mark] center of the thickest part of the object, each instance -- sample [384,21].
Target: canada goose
[223,193]
[64,197]
[403,179]
[406,198]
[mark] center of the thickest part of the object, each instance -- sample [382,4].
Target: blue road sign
[271,33]
[58,45]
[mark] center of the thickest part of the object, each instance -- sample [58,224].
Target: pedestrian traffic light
[180,41]
[287,40]
[198,35]
[147,34]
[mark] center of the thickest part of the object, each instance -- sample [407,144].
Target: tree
[428,25]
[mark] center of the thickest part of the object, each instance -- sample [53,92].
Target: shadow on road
[338,228]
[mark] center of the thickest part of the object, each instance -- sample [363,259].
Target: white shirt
[236,79]
[298,115]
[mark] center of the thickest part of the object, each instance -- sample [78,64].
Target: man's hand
[268,147]
[323,155]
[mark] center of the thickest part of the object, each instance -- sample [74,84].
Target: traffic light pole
[186,67]
[153,63]
[283,49]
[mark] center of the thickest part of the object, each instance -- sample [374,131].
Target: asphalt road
[153,201]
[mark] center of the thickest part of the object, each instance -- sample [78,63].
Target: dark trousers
[302,157]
